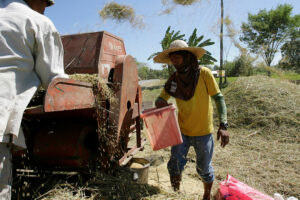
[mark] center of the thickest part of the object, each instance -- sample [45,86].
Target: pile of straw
[265,104]
[101,89]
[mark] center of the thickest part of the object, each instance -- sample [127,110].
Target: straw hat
[178,45]
[50,3]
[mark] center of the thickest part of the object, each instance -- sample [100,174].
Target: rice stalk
[121,13]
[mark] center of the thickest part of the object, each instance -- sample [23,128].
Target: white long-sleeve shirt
[31,54]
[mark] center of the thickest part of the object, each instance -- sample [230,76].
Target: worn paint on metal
[66,94]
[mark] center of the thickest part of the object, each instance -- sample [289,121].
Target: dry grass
[170,5]
[90,78]
[118,185]
[118,12]
[121,13]
[232,33]
[152,83]
[101,89]
[186,2]
[267,165]
[264,149]
[66,191]
[180,2]
[268,106]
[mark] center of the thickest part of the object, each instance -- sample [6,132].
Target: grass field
[287,75]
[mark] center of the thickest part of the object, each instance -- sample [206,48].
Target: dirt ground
[158,176]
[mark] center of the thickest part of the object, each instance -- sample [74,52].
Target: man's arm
[221,107]
[162,100]
[222,114]
[49,55]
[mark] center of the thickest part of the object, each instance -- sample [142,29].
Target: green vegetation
[169,37]
[241,66]
[193,41]
[290,52]
[229,80]
[266,31]
[146,73]
[292,76]
[151,94]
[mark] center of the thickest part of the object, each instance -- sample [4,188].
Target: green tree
[146,73]
[169,37]
[229,68]
[290,53]
[140,64]
[266,31]
[241,66]
[143,72]
[195,41]
[244,66]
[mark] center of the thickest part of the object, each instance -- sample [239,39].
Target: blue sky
[79,16]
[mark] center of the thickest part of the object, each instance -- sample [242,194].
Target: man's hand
[224,135]
[160,102]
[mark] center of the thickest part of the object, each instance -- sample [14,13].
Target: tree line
[265,34]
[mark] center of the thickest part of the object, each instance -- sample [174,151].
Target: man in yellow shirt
[193,87]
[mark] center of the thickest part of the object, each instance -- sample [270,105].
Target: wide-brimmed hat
[178,45]
[50,3]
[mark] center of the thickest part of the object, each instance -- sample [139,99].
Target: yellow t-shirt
[195,116]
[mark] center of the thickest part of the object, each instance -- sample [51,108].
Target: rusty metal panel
[111,47]
[129,155]
[139,98]
[67,94]
[91,52]
[125,76]
[81,52]
[135,111]
[63,144]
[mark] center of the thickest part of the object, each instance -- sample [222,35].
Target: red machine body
[62,133]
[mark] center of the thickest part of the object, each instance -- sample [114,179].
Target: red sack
[232,189]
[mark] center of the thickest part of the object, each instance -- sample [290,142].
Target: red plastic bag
[232,189]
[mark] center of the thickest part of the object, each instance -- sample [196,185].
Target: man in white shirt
[31,54]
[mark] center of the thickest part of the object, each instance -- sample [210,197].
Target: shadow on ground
[90,186]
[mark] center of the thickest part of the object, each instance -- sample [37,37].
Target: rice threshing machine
[75,127]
